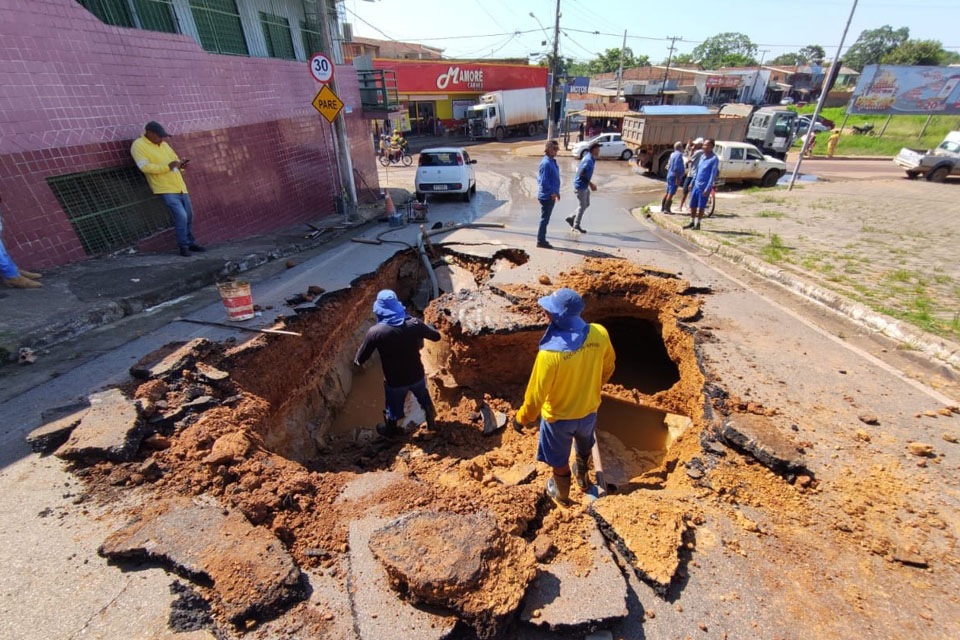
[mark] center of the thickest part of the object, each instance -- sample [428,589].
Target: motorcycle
[396,155]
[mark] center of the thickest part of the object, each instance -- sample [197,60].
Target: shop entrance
[423,118]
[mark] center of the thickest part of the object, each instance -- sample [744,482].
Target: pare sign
[458,78]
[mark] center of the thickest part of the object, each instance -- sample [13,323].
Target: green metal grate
[152,15]
[219,26]
[110,208]
[276,33]
[310,32]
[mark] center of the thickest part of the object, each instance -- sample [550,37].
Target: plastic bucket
[237,300]
[395,219]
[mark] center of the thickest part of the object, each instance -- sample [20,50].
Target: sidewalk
[79,297]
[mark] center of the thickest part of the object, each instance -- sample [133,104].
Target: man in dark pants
[583,185]
[548,190]
[398,338]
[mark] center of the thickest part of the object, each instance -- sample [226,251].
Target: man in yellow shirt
[574,361]
[832,142]
[160,164]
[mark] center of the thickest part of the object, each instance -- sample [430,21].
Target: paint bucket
[237,300]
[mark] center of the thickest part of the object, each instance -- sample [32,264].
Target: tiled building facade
[74,93]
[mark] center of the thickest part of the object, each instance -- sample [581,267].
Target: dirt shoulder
[885,244]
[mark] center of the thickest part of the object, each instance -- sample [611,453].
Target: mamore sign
[461,78]
[451,77]
[889,89]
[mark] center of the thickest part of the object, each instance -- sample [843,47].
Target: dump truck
[508,112]
[656,130]
[934,165]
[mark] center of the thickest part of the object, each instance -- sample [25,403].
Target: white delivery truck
[508,112]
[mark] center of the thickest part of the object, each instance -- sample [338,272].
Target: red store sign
[461,77]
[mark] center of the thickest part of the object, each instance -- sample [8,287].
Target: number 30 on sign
[321,68]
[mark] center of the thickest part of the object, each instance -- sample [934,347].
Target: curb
[941,349]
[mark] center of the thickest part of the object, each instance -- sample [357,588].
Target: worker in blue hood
[398,338]
[574,361]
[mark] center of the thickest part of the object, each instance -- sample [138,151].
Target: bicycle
[396,156]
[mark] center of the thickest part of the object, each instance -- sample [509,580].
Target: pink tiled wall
[75,92]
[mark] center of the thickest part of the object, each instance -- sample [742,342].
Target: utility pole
[344,162]
[666,74]
[551,124]
[823,96]
[620,72]
[756,81]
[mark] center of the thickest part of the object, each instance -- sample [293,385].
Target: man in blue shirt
[674,176]
[548,190]
[703,183]
[583,185]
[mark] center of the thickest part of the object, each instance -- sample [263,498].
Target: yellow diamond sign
[327,103]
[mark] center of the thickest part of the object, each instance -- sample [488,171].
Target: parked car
[445,170]
[935,165]
[743,162]
[786,101]
[611,146]
[803,124]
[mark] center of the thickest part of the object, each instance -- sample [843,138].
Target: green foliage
[812,53]
[607,62]
[728,49]
[917,52]
[874,44]
[774,250]
[681,59]
[788,59]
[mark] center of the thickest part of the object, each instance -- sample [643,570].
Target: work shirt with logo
[154,161]
[585,172]
[565,385]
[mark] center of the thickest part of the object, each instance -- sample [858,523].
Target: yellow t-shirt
[565,385]
[154,161]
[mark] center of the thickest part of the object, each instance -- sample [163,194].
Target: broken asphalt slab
[759,436]
[170,360]
[59,423]
[378,612]
[248,570]
[563,597]
[111,429]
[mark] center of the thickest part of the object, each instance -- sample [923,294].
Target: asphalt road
[847,169]
[765,346]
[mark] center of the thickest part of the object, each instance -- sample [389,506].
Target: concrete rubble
[759,437]
[111,429]
[563,597]
[246,567]
[59,423]
[164,363]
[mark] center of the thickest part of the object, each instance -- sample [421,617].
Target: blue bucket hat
[389,309]
[567,330]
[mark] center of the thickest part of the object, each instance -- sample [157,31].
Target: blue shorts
[396,396]
[698,199]
[556,438]
[672,183]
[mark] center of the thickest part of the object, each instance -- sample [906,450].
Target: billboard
[887,89]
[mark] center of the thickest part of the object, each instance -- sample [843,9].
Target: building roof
[673,110]
[397,49]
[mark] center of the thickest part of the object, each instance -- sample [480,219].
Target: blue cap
[562,303]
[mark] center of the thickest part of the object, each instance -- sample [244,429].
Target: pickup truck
[935,165]
[743,162]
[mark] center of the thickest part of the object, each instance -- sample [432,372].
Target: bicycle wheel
[711,203]
[407,160]
[384,160]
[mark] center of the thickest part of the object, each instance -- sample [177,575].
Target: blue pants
[7,268]
[672,183]
[182,212]
[396,396]
[546,208]
[698,198]
[556,438]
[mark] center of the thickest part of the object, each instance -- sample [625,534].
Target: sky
[485,28]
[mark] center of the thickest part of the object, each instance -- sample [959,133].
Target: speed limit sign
[321,68]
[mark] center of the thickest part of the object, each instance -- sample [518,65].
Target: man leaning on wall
[163,169]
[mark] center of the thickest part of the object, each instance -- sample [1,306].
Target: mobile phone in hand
[184,163]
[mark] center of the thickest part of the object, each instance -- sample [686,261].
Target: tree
[609,61]
[729,49]
[682,60]
[874,44]
[813,53]
[788,59]
[917,52]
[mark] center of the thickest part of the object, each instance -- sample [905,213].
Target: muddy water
[633,439]
[642,359]
[364,405]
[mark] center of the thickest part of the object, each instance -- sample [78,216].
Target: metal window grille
[151,15]
[219,26]
[110,208]
[276,33]
[310,32]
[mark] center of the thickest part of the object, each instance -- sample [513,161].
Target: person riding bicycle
[398,145]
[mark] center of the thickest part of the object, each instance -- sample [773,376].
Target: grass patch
[900,275]
[774,251]
[766,213]
[772,200]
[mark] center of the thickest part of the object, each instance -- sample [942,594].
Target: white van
[445,170]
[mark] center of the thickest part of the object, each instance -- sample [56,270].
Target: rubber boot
[558,488]
[579,471]
[389,429]
[33,275]
[663,205]
[431,415]
[21,282]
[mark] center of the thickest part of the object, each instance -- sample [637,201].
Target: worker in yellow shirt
[574,361]
[162,167]
[832,142]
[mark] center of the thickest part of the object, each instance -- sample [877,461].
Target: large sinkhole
[642,359]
